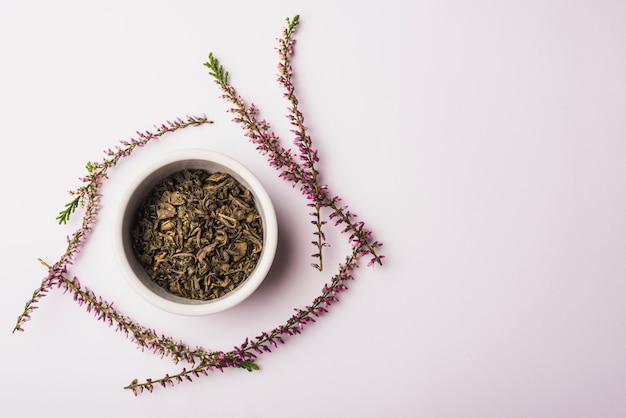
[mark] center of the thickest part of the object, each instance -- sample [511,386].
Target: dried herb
[199,235]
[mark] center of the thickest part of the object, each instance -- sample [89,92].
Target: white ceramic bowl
[157,170]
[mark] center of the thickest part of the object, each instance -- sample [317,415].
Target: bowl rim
[177,304]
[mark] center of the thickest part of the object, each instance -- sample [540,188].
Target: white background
[484,142]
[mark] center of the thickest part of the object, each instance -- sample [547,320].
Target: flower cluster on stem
[244,355]
[308,156]
[88,197]
[302,174]
[145,338]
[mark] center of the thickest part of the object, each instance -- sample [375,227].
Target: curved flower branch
[244,355]
[268,143]
[88,197]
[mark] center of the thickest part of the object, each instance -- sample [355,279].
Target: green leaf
[216,70]
[249,365]
[70,208]
[292,23]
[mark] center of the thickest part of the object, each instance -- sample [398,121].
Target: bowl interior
[136,273]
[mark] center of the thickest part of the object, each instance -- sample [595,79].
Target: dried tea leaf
[198,234]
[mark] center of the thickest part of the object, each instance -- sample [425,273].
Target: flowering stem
[266,141]
[303,141]
[142,336]
[359,235]
[243,356]
[258,132]
[88,197]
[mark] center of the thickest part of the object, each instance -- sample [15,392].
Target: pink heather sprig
[50,281]
[268,143]
[302,140]
[88,197]
[359,235]
[145,338]
[258,132]
[244,355]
